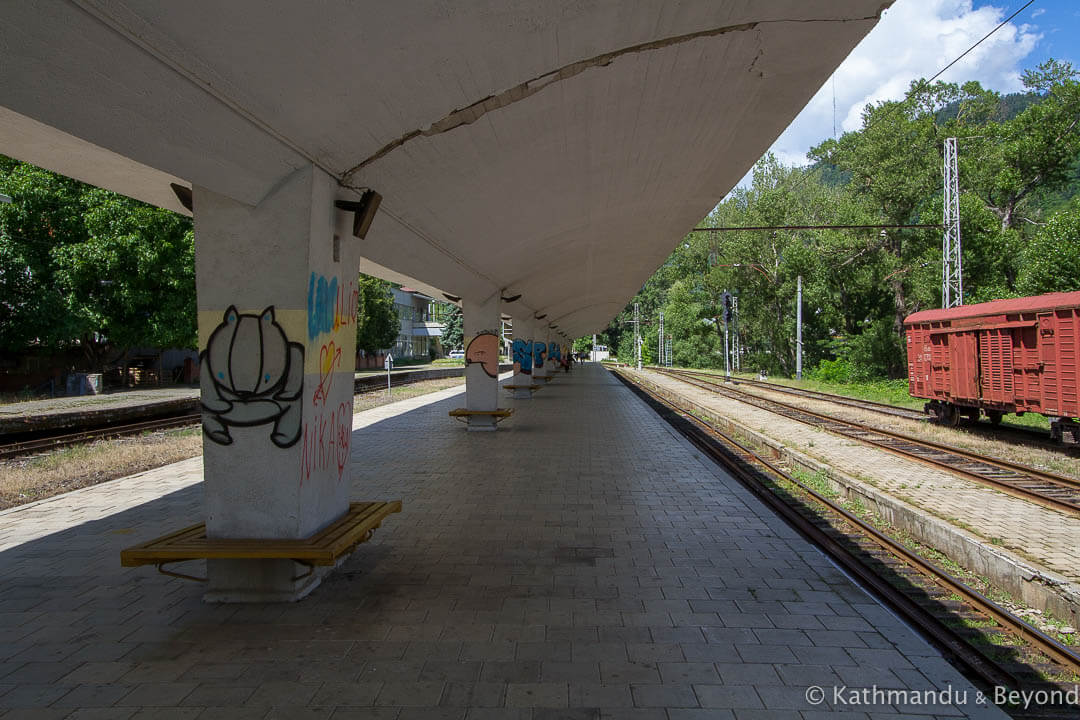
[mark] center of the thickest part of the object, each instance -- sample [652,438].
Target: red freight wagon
[1020,355]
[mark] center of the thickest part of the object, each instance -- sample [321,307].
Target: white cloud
[915,38]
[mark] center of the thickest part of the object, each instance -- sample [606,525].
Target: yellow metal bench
[521,387]
[464,414]
[323,548]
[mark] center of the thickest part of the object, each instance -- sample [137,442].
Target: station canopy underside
[556,150]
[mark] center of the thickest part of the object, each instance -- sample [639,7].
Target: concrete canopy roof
[557,150]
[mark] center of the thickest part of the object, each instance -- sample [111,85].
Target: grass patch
[376,398]
[36,478]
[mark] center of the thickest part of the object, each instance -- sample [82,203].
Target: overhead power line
[935,226]
[938,74]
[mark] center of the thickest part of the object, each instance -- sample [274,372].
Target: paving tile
[664,696]
[544,694]
[410,694]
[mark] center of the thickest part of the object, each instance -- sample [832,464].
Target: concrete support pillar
[522,358]
[481,328]
[555,352]
[277,301]
[541,366]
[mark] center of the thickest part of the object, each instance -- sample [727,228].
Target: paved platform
[80,410]
[582,562]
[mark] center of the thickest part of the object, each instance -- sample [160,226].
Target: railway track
[55,442]
[1012,432]
[1048,489]
[991,643]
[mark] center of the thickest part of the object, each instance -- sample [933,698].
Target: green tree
[132,280]
[45,214]
[1051,260]
[1007,162]
[453,334]
[377,322]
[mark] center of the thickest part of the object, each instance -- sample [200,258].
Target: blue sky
[916,38]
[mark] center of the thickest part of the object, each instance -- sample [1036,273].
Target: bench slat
[322,548]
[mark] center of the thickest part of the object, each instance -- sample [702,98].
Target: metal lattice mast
[667,351]
[952,282]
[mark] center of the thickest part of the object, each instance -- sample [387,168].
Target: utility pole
[637,334]
[726,300]
[593,355]
[952,282]
[736,348]
[798,331]
[667,352]
[660,341]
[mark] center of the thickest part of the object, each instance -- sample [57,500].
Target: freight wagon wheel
[950,415]
[994,416]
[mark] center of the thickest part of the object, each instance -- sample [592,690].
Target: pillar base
[482,423]
[247,581]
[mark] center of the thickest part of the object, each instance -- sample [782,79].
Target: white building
[422,320]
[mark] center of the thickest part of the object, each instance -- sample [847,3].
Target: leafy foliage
[377,322]
[1019,165]
[453,334]
[84,266]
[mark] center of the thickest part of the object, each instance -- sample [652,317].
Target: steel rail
[1029,435]
[54,442]
[706,437]
[817,395]
[992,472]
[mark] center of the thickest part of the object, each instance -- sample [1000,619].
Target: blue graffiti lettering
[539,351]
[523,356]
[321,299]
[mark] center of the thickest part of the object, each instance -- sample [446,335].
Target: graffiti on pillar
[555,353]
[331,311]
[252,375]
[522,351]
[329,361]
[539,352]
[330,304]
[326,441]
[483,350]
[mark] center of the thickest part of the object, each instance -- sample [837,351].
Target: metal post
[660,341]
[637,334]
[798,331]
[736,347]
[952,282]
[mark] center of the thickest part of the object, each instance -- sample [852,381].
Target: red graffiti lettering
[326,442]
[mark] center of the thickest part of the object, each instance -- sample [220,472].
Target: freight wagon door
[1049,357]
[996,365]
[964,366]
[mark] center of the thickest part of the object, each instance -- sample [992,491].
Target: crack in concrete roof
[472,113]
